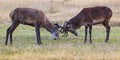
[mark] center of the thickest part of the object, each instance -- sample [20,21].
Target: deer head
[68,27]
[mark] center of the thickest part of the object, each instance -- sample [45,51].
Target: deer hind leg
[90,32]
[37,27]
[7,34]
[10,31]
[107,26]
[86,29]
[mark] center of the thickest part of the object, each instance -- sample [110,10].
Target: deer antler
[63,29]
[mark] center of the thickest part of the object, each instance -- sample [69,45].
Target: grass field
[70,48]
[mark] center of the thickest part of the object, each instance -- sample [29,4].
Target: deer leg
[37,27]
[90,33]
[9,31]
[86,29]
[12,29]
[107,31]
[7,34]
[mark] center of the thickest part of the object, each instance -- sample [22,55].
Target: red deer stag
[32,17]
[89,17]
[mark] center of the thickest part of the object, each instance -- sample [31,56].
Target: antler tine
[65,34]
[63,29]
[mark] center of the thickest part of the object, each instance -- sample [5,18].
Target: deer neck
[49,27]
[76,22]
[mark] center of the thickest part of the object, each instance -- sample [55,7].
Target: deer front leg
[86,29]
[90,33]
[37,27]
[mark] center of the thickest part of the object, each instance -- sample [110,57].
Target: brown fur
[32,17]
[88,17]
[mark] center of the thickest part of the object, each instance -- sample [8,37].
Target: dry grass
[59,10]
[64,52]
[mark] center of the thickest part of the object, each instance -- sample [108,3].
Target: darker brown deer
[89,17]
[32,17]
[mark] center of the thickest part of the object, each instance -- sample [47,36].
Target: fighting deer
[89,17]
[31,17]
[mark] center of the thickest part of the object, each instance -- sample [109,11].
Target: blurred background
[58,10]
